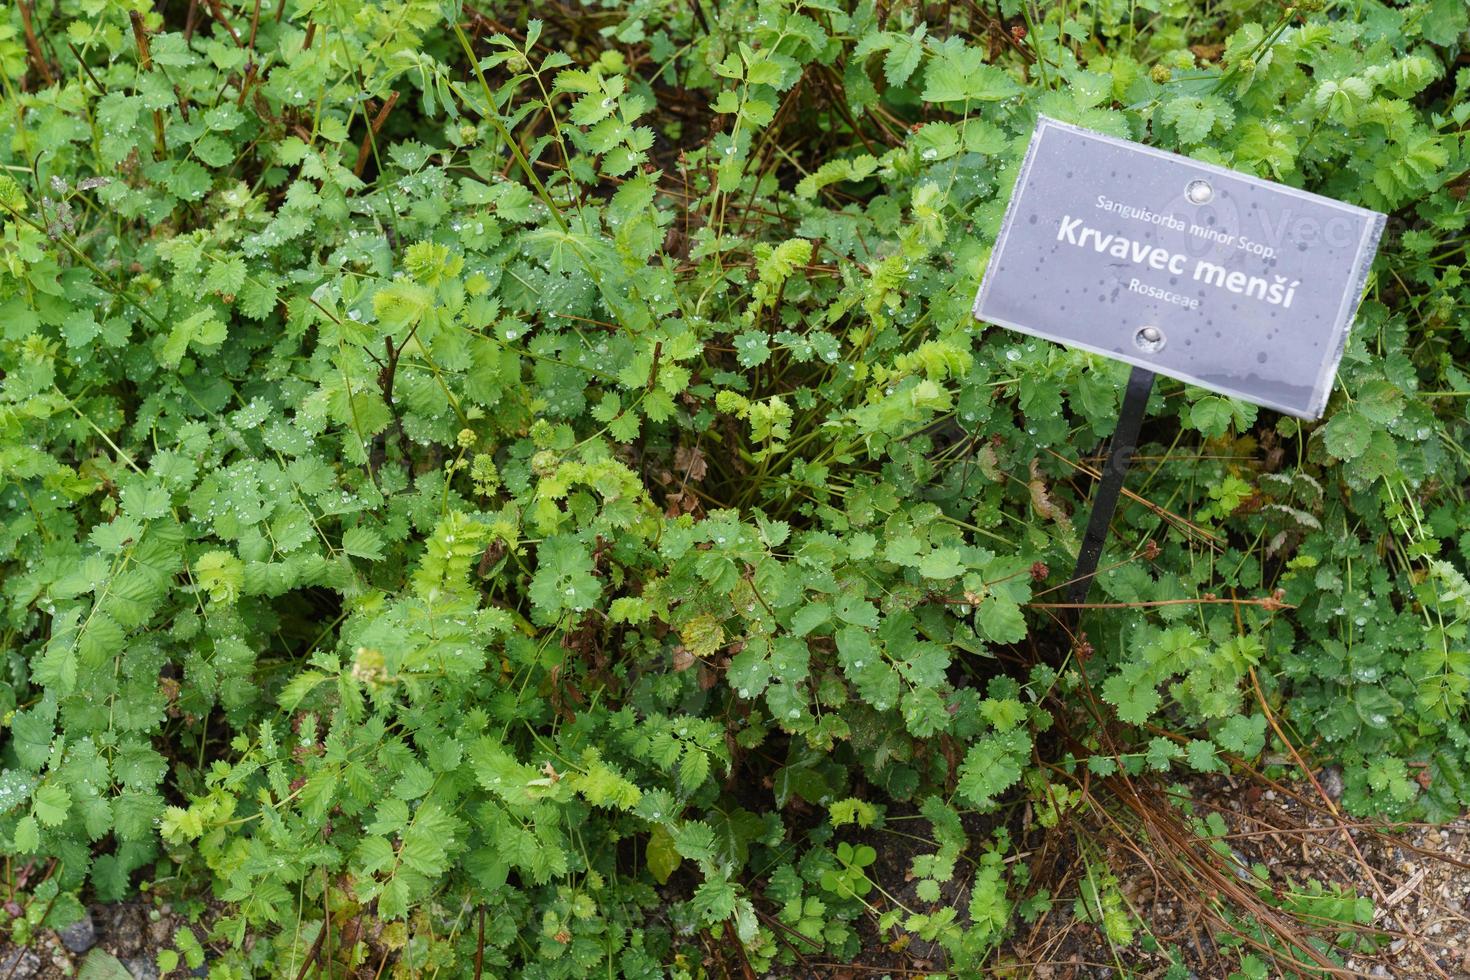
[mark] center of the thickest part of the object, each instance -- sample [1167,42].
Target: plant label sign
[1226,281]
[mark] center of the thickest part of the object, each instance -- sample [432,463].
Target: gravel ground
[1417,876]
[127,934]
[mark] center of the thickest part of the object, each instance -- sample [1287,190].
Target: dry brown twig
[1141,832]
[1337,816]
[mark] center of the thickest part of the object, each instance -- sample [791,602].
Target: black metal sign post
[1120,453]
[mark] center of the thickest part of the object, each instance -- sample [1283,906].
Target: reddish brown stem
[217,11]
[245,85]
[254,24]
[365,150]
[313,953]
[190,19]
[33,44]
[145,58]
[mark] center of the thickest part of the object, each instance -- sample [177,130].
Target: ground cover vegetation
[517,490]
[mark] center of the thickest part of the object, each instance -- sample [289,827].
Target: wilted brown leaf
[690,462]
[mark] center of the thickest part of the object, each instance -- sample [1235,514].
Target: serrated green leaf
[27,838]
[992,765]
[695,840]
[362,542]
[52,803]
[960,74]
[1347,435]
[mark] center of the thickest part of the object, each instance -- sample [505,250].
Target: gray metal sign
[1223,280]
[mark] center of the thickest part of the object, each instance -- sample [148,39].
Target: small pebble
[125,931]
[1331,782]
[19,964]
[142,968]
[160,931]
[80,936]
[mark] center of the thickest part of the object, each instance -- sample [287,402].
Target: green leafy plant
[494,495]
